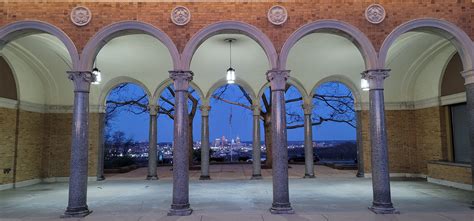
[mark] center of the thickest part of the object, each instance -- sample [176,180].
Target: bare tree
[331,96]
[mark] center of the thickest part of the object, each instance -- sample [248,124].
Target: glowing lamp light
[230,76]
[364,84]
[97,74]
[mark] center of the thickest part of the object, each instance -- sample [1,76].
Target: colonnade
[77,205]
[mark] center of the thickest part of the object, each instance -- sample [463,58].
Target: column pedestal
[382,201]
[77,203]
[281,197]
[180,202]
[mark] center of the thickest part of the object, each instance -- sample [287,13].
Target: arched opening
[125,135]
[333,111]
[424,56]
[36,94]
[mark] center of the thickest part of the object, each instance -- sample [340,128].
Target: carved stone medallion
[375,13]
[277,15]
[81,15]
[180,15]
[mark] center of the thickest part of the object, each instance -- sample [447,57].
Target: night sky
[220,124]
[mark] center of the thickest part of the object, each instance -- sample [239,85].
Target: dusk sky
[136,126]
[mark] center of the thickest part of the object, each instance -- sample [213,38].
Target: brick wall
[300,12]
[7,143]
[450,172]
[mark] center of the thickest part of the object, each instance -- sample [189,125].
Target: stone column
[180,204]
[77,203]
[205,142]
[360,146]
[152,175]
[382,201]
[100,152]
[256,145]
[308,141]
[469,84]
[281,197]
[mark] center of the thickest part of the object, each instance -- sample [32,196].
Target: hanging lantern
[364,84]
[230,76]
[97,74]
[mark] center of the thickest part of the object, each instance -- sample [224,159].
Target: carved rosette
[277,15]
[81,16]
[375,13]
[180,15]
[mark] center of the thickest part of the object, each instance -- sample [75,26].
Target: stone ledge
[462,186]
[36,181]
[450,164]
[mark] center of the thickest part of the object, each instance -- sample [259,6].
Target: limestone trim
[453,99]
[468,76]
[8,103]
[16,29]
[450,31]
[462,186]
[111,84]
[351,32]
[229,27]
[109,32]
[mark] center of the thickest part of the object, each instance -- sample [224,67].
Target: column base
[256,177]
[180,210]
[100,178]
[202,177]
[360,175]
[281,208]
[152,177]
[383,208]
[76,212]
[309,176]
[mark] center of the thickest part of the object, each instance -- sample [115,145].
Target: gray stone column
[256,145]
[308,141]
[100,151]
[205,142]
[180,203]
[152,175]
[360,146]
[469,84]
[281,197]
[382,201]
[77,203]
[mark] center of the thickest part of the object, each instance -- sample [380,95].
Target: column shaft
[469,84]
[360,146]
[101,150]
[308,147]
[256,147]
[382,201]
[180,204]
[152,175]
[77,203]
[204,146]
[281,197]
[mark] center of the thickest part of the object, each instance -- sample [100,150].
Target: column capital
[153,109]
[376,77]
[181,79]
[205,110]
[277,79]
[468,76]
[256,110]
[82,80]
[307,108]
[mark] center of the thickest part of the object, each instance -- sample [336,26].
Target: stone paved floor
[332,198]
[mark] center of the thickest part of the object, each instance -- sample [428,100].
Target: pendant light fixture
[364,84]
[230,76]
[96,73]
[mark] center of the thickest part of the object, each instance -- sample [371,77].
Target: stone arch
[293,82]
[17,29]
[109,32]
[223,82]
[450,31]
[347,82]
[229,27]
[349,31]
[159,90]
[114,83]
